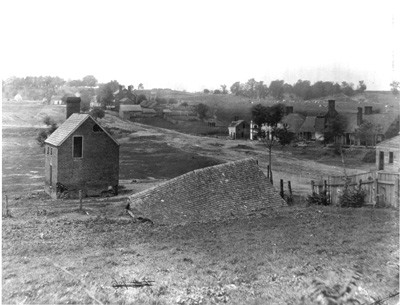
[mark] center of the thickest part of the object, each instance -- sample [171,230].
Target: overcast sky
[194,45]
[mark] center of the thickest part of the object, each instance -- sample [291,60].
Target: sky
[193,45]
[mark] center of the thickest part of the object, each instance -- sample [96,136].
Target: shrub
[318,199]
[97,113]
[370,157]
[352,197]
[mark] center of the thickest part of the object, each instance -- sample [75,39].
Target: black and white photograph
[200,152]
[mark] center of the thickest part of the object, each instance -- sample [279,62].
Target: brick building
[80,155]
[232,189]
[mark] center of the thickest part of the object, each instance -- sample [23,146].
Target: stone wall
[231,189]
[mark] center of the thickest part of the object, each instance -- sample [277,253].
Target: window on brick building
[77,145]
[51,151]
[391,157]
[48,149]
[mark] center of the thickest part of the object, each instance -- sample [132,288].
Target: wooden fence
[381,187]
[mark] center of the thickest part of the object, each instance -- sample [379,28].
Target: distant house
[388,155]
[239,130]
[127,112]
[56,100]
[148,112]
[18,97]
[80,155]
[124,96]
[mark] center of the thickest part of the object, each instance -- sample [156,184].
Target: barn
[80,155]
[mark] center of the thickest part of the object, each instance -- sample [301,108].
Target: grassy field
[289,256]
[52,253]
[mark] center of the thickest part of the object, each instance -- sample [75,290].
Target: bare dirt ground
[54,253]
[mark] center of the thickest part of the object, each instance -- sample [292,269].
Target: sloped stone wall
[234,188]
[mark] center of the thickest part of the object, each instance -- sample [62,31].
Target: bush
[354,198]
[370,157]
[318,199]
[97,113]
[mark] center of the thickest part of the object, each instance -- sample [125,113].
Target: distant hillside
[227,106]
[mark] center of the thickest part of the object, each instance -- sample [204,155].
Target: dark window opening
[48,149]
[391,157]
[77,147]
[97,128]
[51,151]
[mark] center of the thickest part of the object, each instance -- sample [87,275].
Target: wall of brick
[234,188]
[95,172]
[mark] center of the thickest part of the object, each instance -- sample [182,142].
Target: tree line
[302,88]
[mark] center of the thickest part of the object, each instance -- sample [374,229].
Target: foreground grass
[284,257]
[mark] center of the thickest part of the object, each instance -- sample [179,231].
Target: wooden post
[289,184]
[270,178]
[267,171]
[80,200]
[5,212]
[282,192]
[376,191]
[312,186]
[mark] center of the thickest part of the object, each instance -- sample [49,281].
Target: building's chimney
[289,110]
[359,116]
[368,110]
[73,105]
[331,105]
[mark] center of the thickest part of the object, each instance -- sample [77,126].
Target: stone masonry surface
[232,189]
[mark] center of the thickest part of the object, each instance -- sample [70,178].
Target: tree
[105,93]
[87,94]
[140,87]
[250,88]
[44,134]
[361,86]
[336,128]
[276,89]
[97,113]
[201,110]
[236,88]
[367,133]
[206,91]
[395,86]
[347,88]
[89,81]
[217,91]
[141,98]
[224,91]
[270,117]
[261,90]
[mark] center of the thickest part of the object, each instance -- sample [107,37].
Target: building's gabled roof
[308,124]
[68,127]
[130,108]
[319,124]
[294,121]
[236,123]
[391,143]
[126,99]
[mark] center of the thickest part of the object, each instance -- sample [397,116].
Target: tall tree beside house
[361,86]
[105,93]
[271,116]
[140,87]
[336,129]
[202,110]
[44,134]
[367,133]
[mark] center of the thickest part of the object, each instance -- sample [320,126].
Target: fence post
[282,192]
[312,186]
[267,171]
[376,191]
[80,200]
[270,178]
[5,212]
